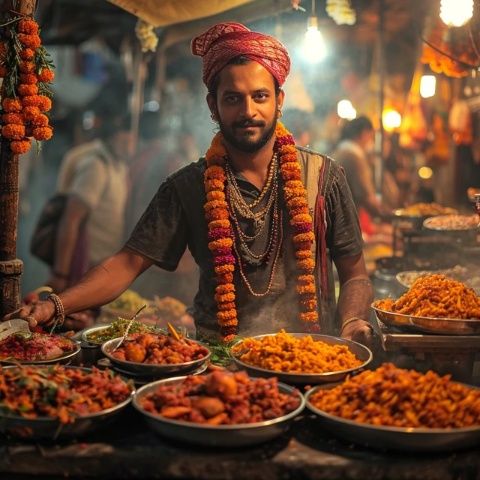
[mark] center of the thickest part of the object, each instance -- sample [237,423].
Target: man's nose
[248,108]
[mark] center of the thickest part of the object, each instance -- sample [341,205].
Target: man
[242,211]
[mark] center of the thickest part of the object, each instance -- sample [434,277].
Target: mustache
[248,123]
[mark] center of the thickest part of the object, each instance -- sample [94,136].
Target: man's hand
[35,314]
[359,331]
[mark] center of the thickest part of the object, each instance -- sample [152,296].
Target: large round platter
[216,435]
[160,370]
[51,428]
[446,326]
[394,438]
[470,222]
[360,351]
[67,357]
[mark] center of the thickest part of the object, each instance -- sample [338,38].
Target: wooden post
[10,267]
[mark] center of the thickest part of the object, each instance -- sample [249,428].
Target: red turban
[224,41]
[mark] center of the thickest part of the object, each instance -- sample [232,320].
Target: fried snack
[128,301]
[221,398]
[435,296]
[394,397]
[169,309]
[285,353]
[427,210]
[452,222]
[117,329]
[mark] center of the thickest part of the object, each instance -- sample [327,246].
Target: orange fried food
[285,353]
[435,296]
[391,396]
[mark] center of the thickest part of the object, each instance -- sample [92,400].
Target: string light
[391,119]
[345,110]
[455,13]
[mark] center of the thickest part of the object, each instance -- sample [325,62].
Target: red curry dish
[37,347]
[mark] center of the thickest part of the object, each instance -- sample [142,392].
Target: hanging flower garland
[27,71]
[221,236]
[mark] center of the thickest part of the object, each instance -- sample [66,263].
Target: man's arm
[100,285]
[356,295]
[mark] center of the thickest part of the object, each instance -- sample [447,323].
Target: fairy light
[428,84]
[425,173]
[346,110]
[455,13]
[391,119]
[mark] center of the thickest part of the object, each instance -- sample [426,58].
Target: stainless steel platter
[470,223]
[394,438]
[51,428]
[447,326]
[360,351]
[240,435]
[160,370]
[67,357]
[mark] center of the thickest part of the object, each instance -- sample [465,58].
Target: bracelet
[59,309]
[350,320]
[63,276]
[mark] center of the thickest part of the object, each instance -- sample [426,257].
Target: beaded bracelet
[59,310]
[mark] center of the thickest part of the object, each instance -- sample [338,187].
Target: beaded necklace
[221,235]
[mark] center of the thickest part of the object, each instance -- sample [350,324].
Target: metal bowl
[51,428]
[67,357]
[360,351]
[394,438]
[244,434]
[446,326]
[159,370]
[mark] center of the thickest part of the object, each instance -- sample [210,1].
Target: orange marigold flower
[291,166]
[310,288]
[303,246]
[287,149]
[226,306]
[227,315]
[31,101]
[228,338]
[27,67]
[20,146]
[28,26]
[215,195]
[45,103]
[297,202]
[304,237]
[46,75]
[217,214]
[26,89]
[290,175]
[306,279]
[228,325]
[214,185]
[42,133]
[13,131]
[290,193]
[219,224]
[301,254]
[306,264]
[27,54]
[40,121]
[29,78]
[215,171]
[11,105]
[226,297]
[30,41]
[3,71]
[310,304]
[225,278]
[301,218]
[300,211]
[16,118]
[29,113]
[288,159]
[221,269]
[222,243]
[294,184]
[226,288]
[215,204]
[309,317]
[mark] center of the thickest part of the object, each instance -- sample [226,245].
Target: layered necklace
[225,206]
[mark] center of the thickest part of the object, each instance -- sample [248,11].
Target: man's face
[246,106]
[367,140]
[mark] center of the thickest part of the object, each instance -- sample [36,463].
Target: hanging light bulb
[345,110]
[391,119]
[313,49]
[455,13]
[427,86]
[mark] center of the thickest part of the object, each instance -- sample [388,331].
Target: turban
[224,41]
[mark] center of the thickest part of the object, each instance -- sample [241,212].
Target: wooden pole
[10,267]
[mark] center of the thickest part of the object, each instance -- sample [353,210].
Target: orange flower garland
[221,236]
[24,86]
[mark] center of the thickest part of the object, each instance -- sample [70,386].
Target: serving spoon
[128,328]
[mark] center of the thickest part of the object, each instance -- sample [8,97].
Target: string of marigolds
[27,72]
[222,238]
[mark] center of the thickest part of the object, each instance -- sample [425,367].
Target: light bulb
[427,86]
[314,49]
[455,13]
[345,110]
[391,119]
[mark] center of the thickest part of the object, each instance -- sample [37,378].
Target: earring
[279,113]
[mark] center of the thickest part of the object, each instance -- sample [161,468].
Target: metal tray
[360,351]
[51,428]
[65,358]
[240,435]
[429,224]
[146,369]
[446,326]
[394,438]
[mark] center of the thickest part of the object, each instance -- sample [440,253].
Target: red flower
[30,41]
[12,105]
[16,118]
[26,89]
[29,113]
[42,133]
[27,54]
[28,78]
[27,67]
[20,146]
[46,75]
[27,25]
[13,131]
[40,121]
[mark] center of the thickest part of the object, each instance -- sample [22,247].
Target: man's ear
[212,105]
[280,99]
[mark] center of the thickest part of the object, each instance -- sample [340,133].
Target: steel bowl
[67,357]
[159,370]
[52,428]
[240,435]
[394,438]
[446,326]
[360,351]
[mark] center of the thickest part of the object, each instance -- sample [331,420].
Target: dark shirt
[175,220]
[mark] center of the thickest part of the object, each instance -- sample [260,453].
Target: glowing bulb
[455,13]
[345,110]
[427,86]
[425,173]
[391,119]
[314,49]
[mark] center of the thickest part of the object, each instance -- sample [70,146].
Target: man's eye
[231,99]
[261,96]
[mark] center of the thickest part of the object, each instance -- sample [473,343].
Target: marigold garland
[221,235]
[26,71]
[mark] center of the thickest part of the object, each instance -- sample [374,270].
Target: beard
[244,141]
